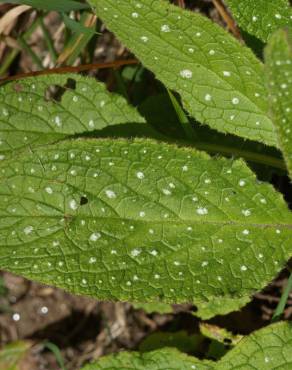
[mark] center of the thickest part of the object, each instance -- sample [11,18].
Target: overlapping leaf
[220,81]
[268,348]
[261,17]
[279,81]
[49,108]
[141,220]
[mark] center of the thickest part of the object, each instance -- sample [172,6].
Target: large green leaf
[141,221]
[46,109]
[220,80]
[268,349]
[279,81]
[261,17]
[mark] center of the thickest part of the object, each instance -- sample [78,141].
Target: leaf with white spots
[49,108]
[278,57]
[268,348]
[109,229]
[261,18]
[220,80]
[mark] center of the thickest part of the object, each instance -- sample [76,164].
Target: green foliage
[125,220]
[220,81]
[163,359]
[77,27]
[279,81]
[46,109]
[57,5]
[179,340]
[145,221]
[261,17]
[268,348]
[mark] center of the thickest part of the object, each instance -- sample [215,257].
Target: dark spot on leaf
[83,200]
[17,87]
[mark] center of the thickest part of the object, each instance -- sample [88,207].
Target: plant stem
[281,305]
[182,117]
[249,156]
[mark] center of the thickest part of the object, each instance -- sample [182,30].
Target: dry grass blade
[81,68]
[227,18]
[7,21]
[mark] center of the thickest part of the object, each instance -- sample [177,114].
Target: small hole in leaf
[55,92]
[83,200]
[70,84]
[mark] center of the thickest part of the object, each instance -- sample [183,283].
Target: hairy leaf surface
[279,81]
[220,81]
[46,109]
[261,17]
[268,348]
[141,221]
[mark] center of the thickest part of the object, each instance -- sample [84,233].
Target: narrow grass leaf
[57,5]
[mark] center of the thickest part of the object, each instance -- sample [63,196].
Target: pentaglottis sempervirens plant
[139,220]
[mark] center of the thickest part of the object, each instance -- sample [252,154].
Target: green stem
[281,305]
[49,40]
[249,156]
[29,50]
[182,117]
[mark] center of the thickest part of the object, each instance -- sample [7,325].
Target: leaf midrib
[72,218]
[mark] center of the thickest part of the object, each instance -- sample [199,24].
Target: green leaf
[158,110]
[12,354]
[219,334]
[140,221]
[220,81]
[220,306]
[56,5]
[163,359]
[77,27]
[261,17]
[180,340]
[278,57]
[154,307]
[268,348]
[46,109]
